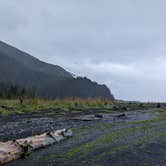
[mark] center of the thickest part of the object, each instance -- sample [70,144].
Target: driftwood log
[88,117]
[13,150]
[120,115]
[6,107]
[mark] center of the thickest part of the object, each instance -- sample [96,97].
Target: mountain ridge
[48,80]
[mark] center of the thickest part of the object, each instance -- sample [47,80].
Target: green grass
[112,137]
[105,140]
[66,105]
[69,106]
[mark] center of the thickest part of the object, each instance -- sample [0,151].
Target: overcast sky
[121,43]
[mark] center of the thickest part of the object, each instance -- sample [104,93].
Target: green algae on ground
[112,137]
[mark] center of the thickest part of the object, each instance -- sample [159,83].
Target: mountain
[47,80]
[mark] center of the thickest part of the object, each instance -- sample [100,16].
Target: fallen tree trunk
[119,115]
[7,107]
[10,151]
[88,117]
[13,150]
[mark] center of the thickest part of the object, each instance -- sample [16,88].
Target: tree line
[9,91]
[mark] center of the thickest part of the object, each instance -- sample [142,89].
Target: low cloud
[119,43]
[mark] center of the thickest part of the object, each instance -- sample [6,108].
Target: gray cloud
[120,43]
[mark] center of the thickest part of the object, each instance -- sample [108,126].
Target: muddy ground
[138,138]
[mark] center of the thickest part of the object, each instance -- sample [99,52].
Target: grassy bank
[10,107]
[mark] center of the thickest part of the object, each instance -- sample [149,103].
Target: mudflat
[124,139]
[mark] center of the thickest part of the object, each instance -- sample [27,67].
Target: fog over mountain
[119,43]
[20,69]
